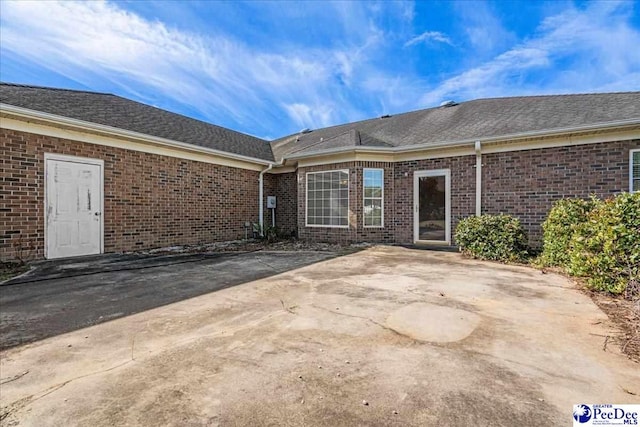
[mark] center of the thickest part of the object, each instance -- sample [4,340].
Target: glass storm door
[432,210]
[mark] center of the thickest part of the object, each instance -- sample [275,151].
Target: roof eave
[469,141]
[26,113]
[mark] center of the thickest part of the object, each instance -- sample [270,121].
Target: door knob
[98,213]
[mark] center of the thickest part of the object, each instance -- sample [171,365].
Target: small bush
[271,233]
[605,249]
[564,217]
[492,237]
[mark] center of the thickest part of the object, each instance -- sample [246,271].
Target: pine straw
[624,312]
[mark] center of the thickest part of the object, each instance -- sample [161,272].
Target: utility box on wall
[271,202]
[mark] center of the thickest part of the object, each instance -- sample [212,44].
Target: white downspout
[478,178]
[261,197]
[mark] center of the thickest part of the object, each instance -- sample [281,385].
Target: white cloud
[428,36]
[225,80]
[311,116]
[588,50]
[485,31]
[286,86]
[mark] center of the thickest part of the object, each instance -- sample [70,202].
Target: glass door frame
[416,204]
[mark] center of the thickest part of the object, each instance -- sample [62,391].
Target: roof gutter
[29,114]
[469,142]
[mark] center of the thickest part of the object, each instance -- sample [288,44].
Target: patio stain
[237,357]
[433,323]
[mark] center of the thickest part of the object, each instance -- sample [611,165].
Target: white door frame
[73,159]
[447,202]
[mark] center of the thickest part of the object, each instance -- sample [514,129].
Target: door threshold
[431,247]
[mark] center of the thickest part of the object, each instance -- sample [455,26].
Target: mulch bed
[622,310]
[11,269]
[625,313]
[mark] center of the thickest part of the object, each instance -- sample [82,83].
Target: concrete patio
[385,336]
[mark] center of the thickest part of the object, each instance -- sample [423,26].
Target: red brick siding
[526,183]
[154,201]
[286,192]
[356,232]
[284,187]
[270,183]
[463,181]
[149,200]
[521,183]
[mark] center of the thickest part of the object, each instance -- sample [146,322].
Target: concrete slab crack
[375,322]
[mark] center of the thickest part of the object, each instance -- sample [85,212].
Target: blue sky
[272,68]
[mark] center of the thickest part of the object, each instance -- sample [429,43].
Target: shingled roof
[468,121]
[481,119]
[115,111]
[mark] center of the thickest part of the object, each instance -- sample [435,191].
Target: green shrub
[564,217]
[270,234]
[492,237]
[605,249]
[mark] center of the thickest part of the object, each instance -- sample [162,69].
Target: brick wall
[526,183]
[398,199]
[149,200]
[269,189]
[463,182]
[154,201]
[284,187]
[356,232]
[286,191]
[522,183]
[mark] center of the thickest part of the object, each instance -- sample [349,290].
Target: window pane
[376,178]
[373,182]
[376,212]
[327,198]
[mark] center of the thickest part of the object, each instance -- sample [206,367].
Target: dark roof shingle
[115,111]
[478,119]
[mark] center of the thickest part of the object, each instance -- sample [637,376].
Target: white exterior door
[73,201]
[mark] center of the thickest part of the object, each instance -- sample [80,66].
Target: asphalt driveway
[65,295]
[385,336]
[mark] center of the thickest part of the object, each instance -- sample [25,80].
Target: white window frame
[416,204]
[306,195]
[635,150]
[364,198]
